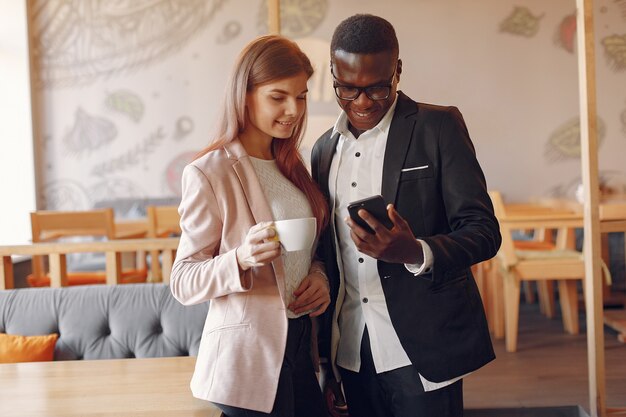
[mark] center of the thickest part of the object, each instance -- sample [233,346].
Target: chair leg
[529,294]
[496,302]
[512,292]
[546,298]
[568,296]
[155,267]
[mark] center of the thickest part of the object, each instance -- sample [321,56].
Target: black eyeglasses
[373,92]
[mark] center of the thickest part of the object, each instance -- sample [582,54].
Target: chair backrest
[613,210]
[163,221]
[507,248]
[547,218]
[50,225]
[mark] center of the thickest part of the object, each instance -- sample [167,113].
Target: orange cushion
[15,348]
[89,278]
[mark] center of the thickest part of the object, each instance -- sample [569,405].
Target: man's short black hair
[364,34]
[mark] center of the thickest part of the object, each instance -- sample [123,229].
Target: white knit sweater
[286,202]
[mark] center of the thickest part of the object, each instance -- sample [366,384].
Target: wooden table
[112,249]
[120,387]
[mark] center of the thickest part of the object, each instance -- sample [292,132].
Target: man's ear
[399,67]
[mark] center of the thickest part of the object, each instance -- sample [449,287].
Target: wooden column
[589,163]
[273,7]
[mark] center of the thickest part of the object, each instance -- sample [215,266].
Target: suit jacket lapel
[326,158]
[398,140]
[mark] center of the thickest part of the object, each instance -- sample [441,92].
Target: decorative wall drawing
[521,22]
[132,157]
[127,103]
[64,195]
[298,18]
[184,126]
[88,134]
[160,97]
[610,181]
[115,188]
[77,41]
[230,31]
[564,143]
[615,51]
[566,34]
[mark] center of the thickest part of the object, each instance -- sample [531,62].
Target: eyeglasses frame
[361,90]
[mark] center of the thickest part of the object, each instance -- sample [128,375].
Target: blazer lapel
[256,200]
[249,182]
[398,140]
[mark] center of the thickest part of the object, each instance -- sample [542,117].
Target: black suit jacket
[439,317]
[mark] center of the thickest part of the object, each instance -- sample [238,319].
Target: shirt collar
[341,125]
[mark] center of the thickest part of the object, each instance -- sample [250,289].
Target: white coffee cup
[296,234]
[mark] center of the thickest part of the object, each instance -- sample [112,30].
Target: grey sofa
[105,322]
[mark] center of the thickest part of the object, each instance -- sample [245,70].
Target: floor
[548,370]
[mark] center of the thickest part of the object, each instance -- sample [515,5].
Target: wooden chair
[490,283]
[53,225]
[513,266]
[163,221]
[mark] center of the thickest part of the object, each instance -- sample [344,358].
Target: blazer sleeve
[200,272]
[475,233]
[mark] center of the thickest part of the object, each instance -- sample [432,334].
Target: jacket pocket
[228,327]
[416,172]
[457,281]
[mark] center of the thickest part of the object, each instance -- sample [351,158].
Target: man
[408,322]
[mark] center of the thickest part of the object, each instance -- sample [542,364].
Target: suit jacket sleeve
[200,272]
[474,231]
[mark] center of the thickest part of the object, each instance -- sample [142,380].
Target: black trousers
[397,393]
[299,394]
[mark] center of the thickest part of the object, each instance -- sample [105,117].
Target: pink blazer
[245,332]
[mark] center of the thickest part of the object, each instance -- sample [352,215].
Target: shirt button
[365,300]
[353,184]
[357,154]
[361,260]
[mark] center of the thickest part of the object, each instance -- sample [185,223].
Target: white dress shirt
[355,173]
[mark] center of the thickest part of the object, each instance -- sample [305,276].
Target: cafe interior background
[104,102]
[123,93]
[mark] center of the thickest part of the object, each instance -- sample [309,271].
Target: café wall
[125,92]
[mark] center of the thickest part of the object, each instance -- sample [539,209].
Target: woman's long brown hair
[266,59]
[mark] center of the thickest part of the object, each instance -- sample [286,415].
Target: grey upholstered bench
[105,322]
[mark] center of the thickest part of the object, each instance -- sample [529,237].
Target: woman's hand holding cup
[259,246]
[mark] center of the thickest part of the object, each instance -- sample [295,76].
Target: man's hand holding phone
[389,239]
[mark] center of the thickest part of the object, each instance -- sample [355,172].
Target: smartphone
[374,205]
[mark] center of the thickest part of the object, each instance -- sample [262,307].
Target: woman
[255,353]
